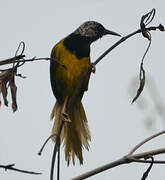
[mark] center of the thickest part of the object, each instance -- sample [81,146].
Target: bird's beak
[111,32]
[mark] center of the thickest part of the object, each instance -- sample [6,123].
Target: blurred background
[116,125]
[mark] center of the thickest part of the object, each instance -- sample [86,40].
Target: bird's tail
[75,134]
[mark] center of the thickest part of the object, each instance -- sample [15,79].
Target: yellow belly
[71,76]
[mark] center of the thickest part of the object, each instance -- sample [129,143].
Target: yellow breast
[75,68]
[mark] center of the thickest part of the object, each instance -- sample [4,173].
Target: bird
[70,59]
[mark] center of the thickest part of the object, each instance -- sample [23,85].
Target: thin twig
[40,59]
[148,161]
[145,175]
[40,152]
[56,146]
[11,60]
[149,153]
[58,163]
[153,28]
[146,140]
[149,45]
[11,167]
[21,58]
[23,48]
[22,43]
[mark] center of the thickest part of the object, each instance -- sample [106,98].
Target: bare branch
[124,160]
[11,167]
[145,175]
[128,158]
[11,60]
[149,153]
[148,161]
[146,140]
[21,58]
[42,148]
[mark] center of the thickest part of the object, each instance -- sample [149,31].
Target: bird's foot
[64,114]
[65,117]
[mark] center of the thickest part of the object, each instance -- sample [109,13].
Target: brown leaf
[4,93]
[7,78]
[4,78]
[13,89]
[142,83]
[0,91]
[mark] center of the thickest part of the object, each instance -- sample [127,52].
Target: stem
[55,150]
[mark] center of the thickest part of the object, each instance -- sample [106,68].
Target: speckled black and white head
[80,40]
[93,30]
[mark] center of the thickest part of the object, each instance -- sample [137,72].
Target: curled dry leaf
[144,31]
[142,83]
[7,79]
[145,20]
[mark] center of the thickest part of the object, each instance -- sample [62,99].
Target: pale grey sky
[116,125]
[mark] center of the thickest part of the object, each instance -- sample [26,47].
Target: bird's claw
[66,117]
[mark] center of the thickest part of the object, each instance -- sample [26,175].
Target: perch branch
[152,28]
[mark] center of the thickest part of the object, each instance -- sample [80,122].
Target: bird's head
[93,30]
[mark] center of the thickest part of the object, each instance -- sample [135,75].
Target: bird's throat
[78,45]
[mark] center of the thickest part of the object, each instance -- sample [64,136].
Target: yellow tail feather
[75,134]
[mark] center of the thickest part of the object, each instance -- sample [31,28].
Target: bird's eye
[101,28]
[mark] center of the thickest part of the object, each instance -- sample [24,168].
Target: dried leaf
[142,83]
[13,89]
[144,31]
[150,16]
[4,78]
[145,20]
[4,93]
[0,91]
[7,78]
